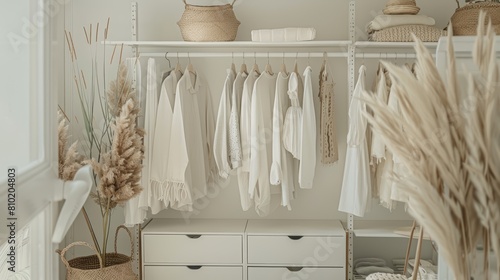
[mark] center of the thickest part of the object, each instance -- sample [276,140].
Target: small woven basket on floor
[209,23]
[118,266]
[464,20]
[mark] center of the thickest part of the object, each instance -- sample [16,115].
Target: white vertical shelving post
[135,52]
[352,77]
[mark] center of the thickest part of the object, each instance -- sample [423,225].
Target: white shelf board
[392,45]
[381,228]
[233,44]
[295,227]
[195,226]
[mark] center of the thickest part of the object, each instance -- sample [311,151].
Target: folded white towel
[385,21]
[378,260]
[284,35]
[367,270]
[380,263]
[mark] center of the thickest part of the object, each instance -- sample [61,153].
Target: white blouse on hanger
[235,153]
[261,144]
[356,185]
[159,179]
[308,135]
[245,129]
[190,165]
[221,145]
[282,169]
[292,131]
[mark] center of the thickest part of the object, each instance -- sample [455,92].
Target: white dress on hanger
[245,129]
[133,214]
[292,131]
[159,168]
[221,144]
[356,185]
[282,169]
[261,144]
[308,135]
[235,155]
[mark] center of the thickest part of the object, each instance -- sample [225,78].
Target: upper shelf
[233,44]
[392,45]
[385,228]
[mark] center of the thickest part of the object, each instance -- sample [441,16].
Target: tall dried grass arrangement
[451,148]
[112,143]
[70,161]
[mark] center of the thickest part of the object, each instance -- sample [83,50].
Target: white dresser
[177,249]
[296,249]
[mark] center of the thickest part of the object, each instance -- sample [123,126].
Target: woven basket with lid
[209,23]
[464,20]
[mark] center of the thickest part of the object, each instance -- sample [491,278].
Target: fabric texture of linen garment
[282,169]
[292,131]
[245,129]
[235,153]
[356,185]
[377,145]
[221,144]
[133,214]
[398,170]
[190,168]
[307,167]
[150,108]
[261,144]
[328,130]
[159,168]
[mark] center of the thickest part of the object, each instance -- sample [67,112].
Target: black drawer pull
[194,267]
[294,269]
[193,236]
[295,237]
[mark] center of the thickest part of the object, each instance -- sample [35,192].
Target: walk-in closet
[264,140]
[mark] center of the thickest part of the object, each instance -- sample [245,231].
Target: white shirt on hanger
[245,129]
[292,131]
[261,143]
[161,148]
[190,167]
[356,185]
[235,154]
[308,136]
[221,145]
[282,169]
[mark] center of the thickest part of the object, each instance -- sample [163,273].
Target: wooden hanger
[283,66]
[190,67]
[243,68]
[268,69]
[296,66]
[255,66]
[178,67]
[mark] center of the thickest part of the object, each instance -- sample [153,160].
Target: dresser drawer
[193,249]
[280,273]
[192,273]
[297,250]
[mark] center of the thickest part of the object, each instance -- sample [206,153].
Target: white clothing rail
[244,54]
[232,44]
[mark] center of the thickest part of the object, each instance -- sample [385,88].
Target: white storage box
[284,35]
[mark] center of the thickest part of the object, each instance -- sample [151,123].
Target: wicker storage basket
[118,266]
[464,20]
[209,23]
[403,33]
